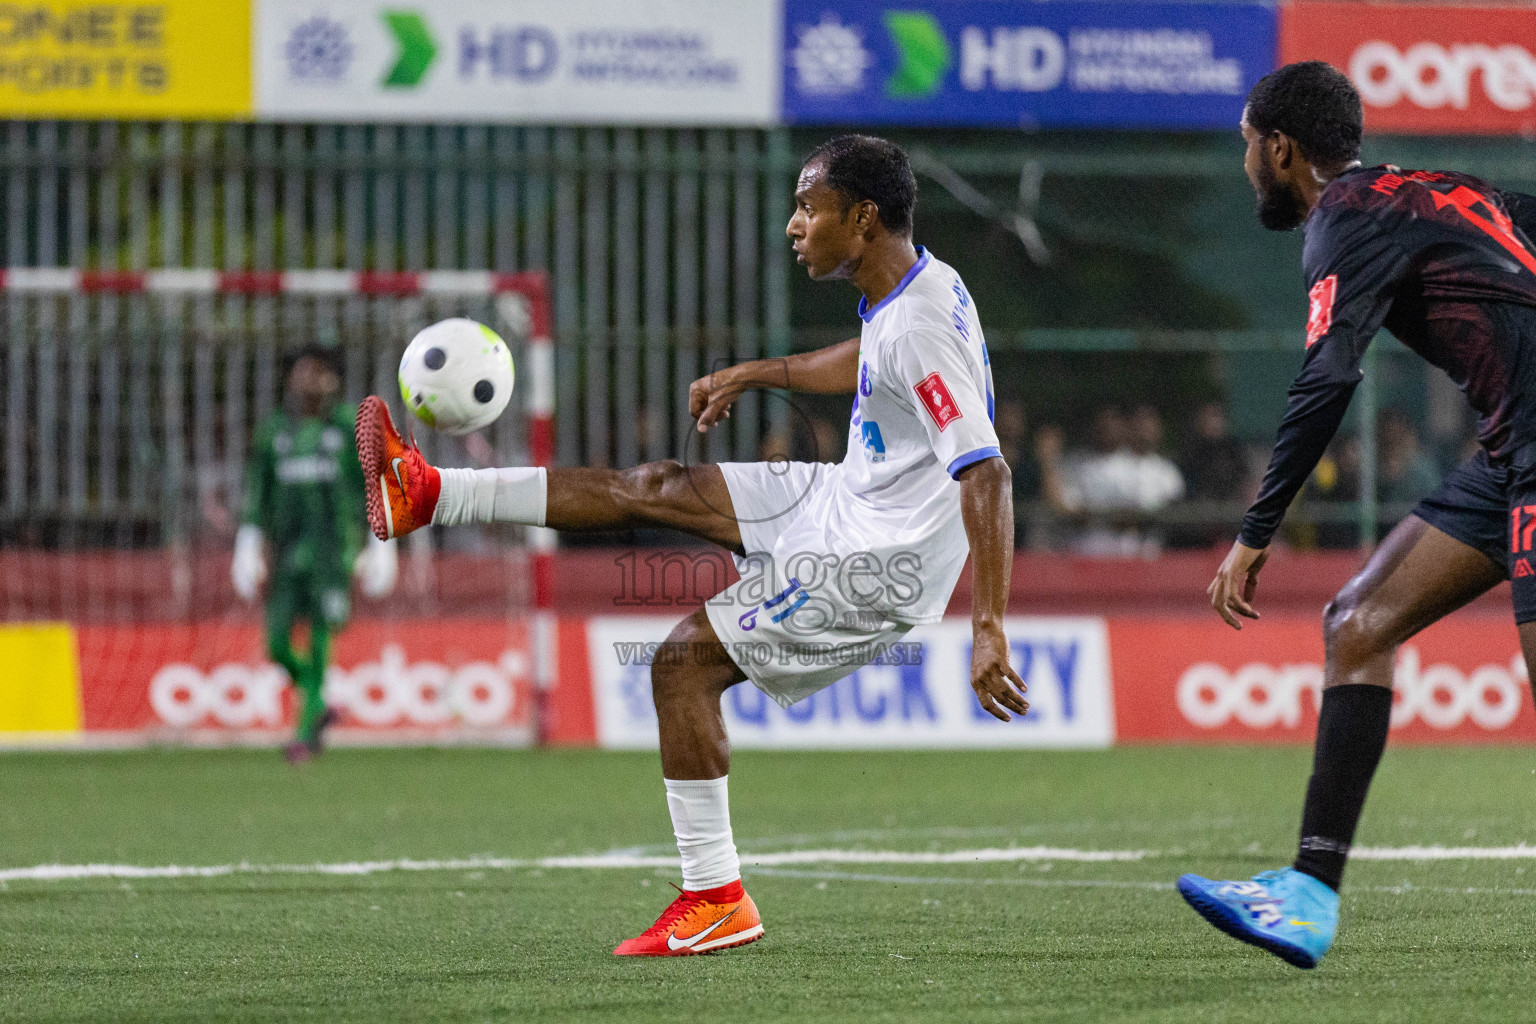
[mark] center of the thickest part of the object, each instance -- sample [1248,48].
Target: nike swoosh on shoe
[673,942]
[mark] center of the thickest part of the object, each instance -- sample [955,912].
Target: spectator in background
[1336,479]
[1063,474]
[1405,472]
[1214,465]
[1050,529]
[1117,488]
[1012,427]
[1158,482]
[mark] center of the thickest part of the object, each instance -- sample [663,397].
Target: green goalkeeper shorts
[309,597]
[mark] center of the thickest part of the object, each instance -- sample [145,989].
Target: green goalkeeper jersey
[304,489]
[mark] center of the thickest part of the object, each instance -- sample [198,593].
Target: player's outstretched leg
[1418,575]
[712,910]
[405,493]
[401,489]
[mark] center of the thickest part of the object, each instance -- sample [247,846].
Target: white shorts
[789,646]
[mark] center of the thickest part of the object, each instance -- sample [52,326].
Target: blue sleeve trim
[969,458]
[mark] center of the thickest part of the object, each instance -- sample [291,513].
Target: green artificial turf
[1036,941]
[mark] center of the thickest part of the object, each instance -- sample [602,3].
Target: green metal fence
[667,257]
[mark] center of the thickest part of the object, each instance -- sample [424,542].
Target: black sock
[1351,734]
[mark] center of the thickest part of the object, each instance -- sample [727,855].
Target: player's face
[1280,207]
[313,385]
[822,230]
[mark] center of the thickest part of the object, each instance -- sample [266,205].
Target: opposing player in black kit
[1445,262]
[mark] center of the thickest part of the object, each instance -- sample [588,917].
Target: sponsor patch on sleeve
[936,398]
[1320,308]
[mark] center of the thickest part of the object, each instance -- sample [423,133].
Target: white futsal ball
[456,376]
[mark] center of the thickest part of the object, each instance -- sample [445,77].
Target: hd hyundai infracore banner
[994,62]
[530,61]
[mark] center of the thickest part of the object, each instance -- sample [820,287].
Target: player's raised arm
[833,370]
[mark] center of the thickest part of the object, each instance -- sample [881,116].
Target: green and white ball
[456,376]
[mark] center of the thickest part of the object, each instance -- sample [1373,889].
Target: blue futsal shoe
[1291,914]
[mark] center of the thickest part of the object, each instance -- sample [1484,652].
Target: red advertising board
[1185,679]
[1169,679]
[413,680]
[1425,68]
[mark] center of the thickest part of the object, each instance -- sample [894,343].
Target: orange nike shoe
[699,922]
[401,488]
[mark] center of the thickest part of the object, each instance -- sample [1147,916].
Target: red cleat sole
[372,426]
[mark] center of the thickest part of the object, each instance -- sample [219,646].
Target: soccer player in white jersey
[838,562]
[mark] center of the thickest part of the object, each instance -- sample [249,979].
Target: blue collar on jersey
[867,314]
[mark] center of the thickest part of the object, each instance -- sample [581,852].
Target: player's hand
[377,567]
[710,398]
[1231,592]
[996,684]
[249,568]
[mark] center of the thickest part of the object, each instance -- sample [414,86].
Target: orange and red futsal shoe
[699,922]
[402,489]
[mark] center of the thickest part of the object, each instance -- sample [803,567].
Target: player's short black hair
[1314,103]
[330,355]
[861,167]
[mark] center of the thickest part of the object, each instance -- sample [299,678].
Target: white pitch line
[1519,851]
[989,855]
[599,861]
[1037,883]
[788,858]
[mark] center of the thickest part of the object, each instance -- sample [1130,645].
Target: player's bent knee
[691,665]
[1354,632]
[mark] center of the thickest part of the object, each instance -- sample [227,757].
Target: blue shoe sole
[1229,921]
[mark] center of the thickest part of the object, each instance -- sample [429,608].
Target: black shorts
[1490,504]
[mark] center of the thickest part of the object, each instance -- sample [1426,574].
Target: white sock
[512,495]
[701,820]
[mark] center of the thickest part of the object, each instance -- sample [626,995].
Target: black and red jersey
[1442,260]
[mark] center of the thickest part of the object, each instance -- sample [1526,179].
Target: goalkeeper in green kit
[304,504]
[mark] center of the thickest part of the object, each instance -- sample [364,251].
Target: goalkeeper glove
[377,567]
[249,568]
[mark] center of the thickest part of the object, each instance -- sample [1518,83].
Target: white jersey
[923,413]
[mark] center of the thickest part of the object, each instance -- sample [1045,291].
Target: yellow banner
[39,679]
[171,58]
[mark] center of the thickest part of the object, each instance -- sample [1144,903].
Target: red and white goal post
[521,302]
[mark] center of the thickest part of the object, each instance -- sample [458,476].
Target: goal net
[128,409]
